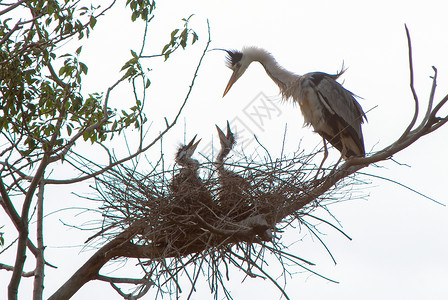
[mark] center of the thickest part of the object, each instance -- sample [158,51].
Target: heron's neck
[220,158]
[189,164]
[282,77]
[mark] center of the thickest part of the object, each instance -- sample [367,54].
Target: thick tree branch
[13,6]
[40,262]
[14,216]
[23,225]
[90,270]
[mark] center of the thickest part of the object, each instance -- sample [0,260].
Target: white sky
[399,248]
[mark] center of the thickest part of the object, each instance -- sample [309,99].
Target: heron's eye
[233,58]
[236,66]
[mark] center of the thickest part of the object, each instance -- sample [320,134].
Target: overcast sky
[399,247]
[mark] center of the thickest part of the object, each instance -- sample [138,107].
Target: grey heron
[189,191]
[326,105]
[233,200]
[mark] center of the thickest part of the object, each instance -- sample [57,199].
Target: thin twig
[11,268]
[411,83]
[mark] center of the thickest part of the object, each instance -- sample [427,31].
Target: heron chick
[189,191]
[233,192]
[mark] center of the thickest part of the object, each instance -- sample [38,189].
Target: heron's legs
[343,156]
[323,160]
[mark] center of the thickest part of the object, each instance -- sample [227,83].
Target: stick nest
[233,211]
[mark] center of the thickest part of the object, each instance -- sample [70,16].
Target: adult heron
[326,105]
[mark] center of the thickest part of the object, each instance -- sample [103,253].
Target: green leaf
[195,38]
[173,33]
[125,66]
[145,14]
[83,67]
[92,21]
[85,135]
[93,138]
[148,83]
[83,10]
[165,48]
[134,16]
[183,38]
[61,71]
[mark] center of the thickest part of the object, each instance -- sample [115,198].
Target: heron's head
[227,140]
[238,62]
[186,151]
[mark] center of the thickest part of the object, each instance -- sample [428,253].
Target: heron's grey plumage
[326,105]
[233,191]
[190,193]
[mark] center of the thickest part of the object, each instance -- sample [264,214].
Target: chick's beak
[232,80]
[229,131]
[193,147]
[191,142]
[221,134]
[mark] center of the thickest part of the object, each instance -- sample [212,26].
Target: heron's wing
[340,103]
[337,98]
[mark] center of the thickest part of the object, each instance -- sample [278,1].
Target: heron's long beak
[232,80]
[221,134]
[192,145]
[192,141]
[229,131]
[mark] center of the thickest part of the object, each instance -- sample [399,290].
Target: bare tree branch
[431,96]
[145,283]
[411,80]
[40,262]
[11,268]
[23,225]
[12,6]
